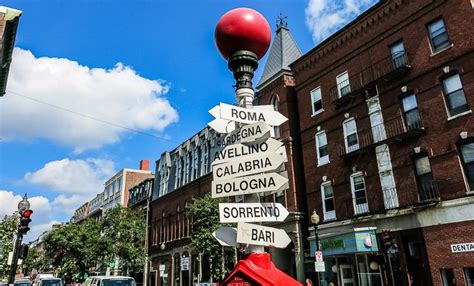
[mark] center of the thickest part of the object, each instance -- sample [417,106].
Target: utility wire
[92,117]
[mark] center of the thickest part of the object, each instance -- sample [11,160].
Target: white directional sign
[251,212]
[238,150]
[261,235]
[260,113]
[270,182]
[222,125]
[245,134]
[226,236]
[248,165]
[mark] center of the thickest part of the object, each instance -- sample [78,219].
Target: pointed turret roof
[282,53]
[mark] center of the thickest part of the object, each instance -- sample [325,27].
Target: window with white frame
[328,201]
[204,158]
[411,113]
[316,101]
[350,135]
[343,85]
[322,148]
[455,99]
[438,35]
[399,58]
[467,152]
[276,129]
[359,194]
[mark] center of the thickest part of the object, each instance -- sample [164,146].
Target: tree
[124,230]
[34,260]
[205,214]
[8,226]
[75,248]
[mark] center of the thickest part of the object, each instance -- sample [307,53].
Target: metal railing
[428,191]
[385,69]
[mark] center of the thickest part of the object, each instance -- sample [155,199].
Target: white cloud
[324,17]
[83,178]
[118,95]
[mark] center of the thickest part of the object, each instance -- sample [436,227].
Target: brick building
[387,137]
[81,213]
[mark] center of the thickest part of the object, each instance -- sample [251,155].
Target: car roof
[109,277]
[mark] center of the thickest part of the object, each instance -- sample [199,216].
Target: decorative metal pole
[315,221]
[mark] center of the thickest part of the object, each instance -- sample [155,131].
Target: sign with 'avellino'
[239,150]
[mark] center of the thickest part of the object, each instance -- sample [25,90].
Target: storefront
[351,259]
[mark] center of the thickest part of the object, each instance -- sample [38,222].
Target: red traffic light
[27,213]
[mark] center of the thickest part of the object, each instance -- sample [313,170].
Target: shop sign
[185,263]
[462,247]
[319,266]
[319,256]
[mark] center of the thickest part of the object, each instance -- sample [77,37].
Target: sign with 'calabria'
[248,165]
[251,212]
[261,235]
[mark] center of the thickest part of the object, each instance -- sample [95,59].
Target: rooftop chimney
[144,165]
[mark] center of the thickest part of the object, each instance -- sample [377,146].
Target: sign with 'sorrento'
[240,150]
[261,235]
[251,212]
[247,166]
[270,182]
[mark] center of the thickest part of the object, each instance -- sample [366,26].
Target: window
[358,194]
[411,113]
[438,36]
[276,129]
[399,58]
[454,93]
[424,177]
[469,275]
[328,201]
[316,102]
[467,152]
[447,275]
[350,135]
[343,85]
[322,148]
[376,119]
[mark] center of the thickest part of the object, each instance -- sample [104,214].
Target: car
[110,281]
[49,281]
[22,282]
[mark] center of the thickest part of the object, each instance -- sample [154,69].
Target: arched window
[274,102]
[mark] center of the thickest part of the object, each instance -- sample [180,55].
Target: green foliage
[205,214]
[34,260]
[8,227]
[124,230]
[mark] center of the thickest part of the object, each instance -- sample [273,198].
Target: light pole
[315,222]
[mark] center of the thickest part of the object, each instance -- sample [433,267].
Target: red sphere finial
[242,29]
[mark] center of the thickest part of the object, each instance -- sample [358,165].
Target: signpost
[268,183]
[261,235]
[226,236]
[259,113]
[244,149]
[251,212]
[246,133]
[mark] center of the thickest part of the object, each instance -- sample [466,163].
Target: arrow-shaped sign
[222,125]
[261,235]
[235,151]
[262,113]
[248,165]
[245,134]
[270,182]
[252,212]
[226,236]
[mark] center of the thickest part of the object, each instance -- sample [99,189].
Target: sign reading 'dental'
[462,247]
[261,235]
[261,113]
[248,165]
[251,212]
[240,150]
[269,183]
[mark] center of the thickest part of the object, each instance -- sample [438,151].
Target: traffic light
[387,239]
[24,221]
[23,251]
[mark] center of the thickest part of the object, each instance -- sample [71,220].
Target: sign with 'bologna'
[261,235]
[269,183]
[251,212]
[248,165]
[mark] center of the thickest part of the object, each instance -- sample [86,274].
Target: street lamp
[315,221]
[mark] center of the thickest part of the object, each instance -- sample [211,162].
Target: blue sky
[145,65]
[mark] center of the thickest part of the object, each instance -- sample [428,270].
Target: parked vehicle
[110,281]
[22,282]
[49,281]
